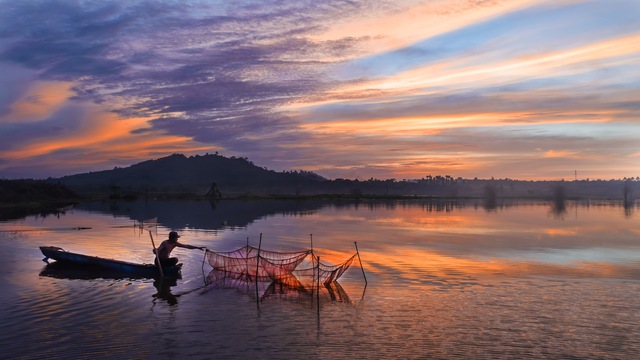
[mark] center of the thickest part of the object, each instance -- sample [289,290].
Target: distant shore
[19,198]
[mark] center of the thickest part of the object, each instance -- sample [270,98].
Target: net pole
[313,273]
[360,260]
[204,257]
[246,260]
[257,268]
[318,291]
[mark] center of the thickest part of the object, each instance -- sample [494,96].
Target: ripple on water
[80,318]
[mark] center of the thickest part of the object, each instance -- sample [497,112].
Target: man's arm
[187,246]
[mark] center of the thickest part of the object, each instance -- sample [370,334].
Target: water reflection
[61,270]
[67,271]
[628,208]
[558,203]
[490,198]
[284,289]
[511,230]
[163,286]
[212,215]
[234,214]
[447,279]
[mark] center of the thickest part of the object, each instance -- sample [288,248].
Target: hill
[194,175]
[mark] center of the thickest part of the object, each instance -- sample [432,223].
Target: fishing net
[294,269]
[322,273]
[252,262]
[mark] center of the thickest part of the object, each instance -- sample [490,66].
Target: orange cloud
[559,154]
[40,101]
[433,124]
[96,128]
[462,73]
[393,29]
[102,137]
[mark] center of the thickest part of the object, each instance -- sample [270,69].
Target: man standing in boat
[167,246]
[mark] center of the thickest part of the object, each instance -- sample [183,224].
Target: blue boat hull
[93,263]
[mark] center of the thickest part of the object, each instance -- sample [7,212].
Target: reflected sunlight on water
[445,281]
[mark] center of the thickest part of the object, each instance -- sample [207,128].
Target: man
[167,246]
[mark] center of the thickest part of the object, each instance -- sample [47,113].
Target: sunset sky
[524,89]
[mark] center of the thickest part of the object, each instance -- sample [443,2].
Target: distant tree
[627,192]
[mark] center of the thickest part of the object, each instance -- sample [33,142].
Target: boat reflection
[70,271]
[65,270]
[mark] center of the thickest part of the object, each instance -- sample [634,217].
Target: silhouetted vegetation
[214,176]
[178,175]
[181,176]
[23,197]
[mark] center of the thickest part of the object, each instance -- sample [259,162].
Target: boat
[74,271]
[117,268]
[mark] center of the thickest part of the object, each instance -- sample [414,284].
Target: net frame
[256,264]
[322,273]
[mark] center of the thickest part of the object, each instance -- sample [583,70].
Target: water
[444,280]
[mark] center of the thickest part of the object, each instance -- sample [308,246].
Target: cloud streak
[345,88]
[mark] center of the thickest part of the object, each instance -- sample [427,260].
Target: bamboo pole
[360,260]
[204,257]
[257,269]
[246,260]
[318,291]
[313,273]
[157,255]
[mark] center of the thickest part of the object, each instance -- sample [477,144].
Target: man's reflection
[164,290]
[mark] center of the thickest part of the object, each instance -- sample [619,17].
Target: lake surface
[444,280]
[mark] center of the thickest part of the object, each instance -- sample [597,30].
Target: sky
[520,89]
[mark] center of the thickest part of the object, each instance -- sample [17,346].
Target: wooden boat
[94,263]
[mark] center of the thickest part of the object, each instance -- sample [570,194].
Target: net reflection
[285,288]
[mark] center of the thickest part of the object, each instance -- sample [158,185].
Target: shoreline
[15,210]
